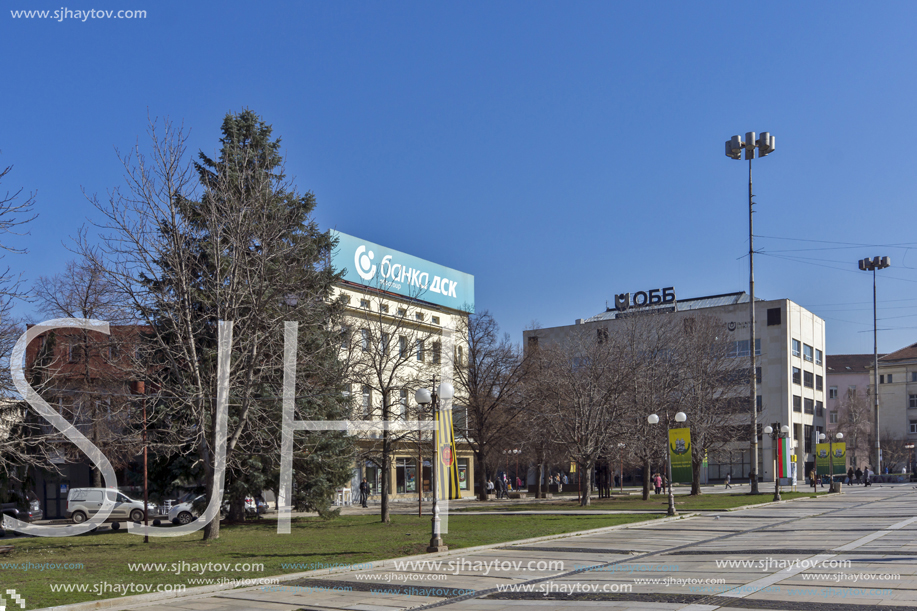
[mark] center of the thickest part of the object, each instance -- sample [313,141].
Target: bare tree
[581,388]
[895,451]
[491,379]
[856,425]
[392,349]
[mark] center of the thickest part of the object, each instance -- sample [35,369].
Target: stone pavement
[839,553]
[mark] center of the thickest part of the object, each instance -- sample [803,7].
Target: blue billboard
[390,270]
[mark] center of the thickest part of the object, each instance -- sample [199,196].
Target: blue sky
[559,152]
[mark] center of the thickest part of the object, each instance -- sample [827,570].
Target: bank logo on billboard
[363,261]
[384,268]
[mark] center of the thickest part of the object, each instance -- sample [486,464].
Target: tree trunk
[236,510]
[386,456]
[538,493]
[585,485]
[695,474]
[212,529]
[646,479]
[482,473]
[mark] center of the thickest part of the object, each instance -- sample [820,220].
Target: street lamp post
[765,145]
[424,397]
[139,388]
[654,419]
[871,265]
[821,437]
[776,432]
[621,447]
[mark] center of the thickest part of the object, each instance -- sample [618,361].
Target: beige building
[898,404]
[791,378]
[404,317]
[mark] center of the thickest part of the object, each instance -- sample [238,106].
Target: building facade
[898,407]
[403,323]
[790,349]
[850,406]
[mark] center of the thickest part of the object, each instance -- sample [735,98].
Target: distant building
[790,344]
[849,390]
[898,396]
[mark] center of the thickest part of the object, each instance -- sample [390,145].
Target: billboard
[379,267]
[680,453]
[823,460]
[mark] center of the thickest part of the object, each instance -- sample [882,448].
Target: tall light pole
[871,265]
[654,419]
[621,447]
[765,145]
[424,397]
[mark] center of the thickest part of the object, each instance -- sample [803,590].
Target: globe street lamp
[654,419]
[776,432]
[821,437]
[871,265]
[424,397]
[765,145]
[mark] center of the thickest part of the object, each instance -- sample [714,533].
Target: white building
[791,370]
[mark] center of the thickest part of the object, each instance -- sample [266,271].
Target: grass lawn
[632,503]
[348,539]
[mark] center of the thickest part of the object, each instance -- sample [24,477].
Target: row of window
[807,352]
[740,348]
[807,379]
[809,406]
[383,307]
[418,347]
[888,378]
[407,478]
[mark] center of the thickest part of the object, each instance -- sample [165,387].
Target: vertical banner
[823,460]
[680,451]
[783,457]
[447,475]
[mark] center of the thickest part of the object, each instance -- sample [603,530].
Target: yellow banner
[680,451]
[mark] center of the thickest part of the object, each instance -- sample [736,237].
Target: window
[818,356]
[435,320]
[345,338]
[914,376]
[364,339]
[403,402]
[881,379]
[533,341]
[808,379]
[367,400]
[74,352]
[463,473]
[832,392]
[807,433]
[601,334]
[819,409]
[913,426]
[419,348]
[364,303]
[385,343]
[402,312]
[773,316]
[807,352]
[832,417]
[458,355]
[797,375]
[889,378]
[810,406]
[418,315]
[819,383]
[437,348]
[795,347]
[758,375]
[402,346]
[912,401]
[405,475]
[345,299]
[383,307]
[759,403]
[851,391]
[797,403]
[741,348]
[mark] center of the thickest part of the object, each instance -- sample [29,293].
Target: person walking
[866,475]
[490,487]
[364,492]
[859,474]
[560,483]
[657,483]
[849,476]
[728,479]
[813,479]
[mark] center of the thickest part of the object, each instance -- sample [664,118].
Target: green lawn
[348,539]
[703,502]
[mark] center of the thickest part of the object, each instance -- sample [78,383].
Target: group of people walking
[860,476]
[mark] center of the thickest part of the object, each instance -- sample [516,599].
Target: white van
[82,503]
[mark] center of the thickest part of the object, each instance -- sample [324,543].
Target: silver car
[82,503]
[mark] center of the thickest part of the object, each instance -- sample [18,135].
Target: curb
[199,591]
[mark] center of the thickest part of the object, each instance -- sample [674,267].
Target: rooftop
[905,354]
[681,305]
[848,363]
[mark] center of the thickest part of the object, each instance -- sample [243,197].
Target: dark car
[27,509]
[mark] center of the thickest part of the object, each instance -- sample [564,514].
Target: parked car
[26,509]
[191,508]
[83,503]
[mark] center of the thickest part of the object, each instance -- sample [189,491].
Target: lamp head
[446,391]
[822,436]
[785,428]
[653,419]
[681,417]
[840,435]
[768,430]
[422,396]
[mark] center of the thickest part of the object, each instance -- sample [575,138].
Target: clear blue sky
[559,152]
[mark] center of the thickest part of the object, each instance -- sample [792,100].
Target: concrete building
[404,318]
[898,406]
[790,345]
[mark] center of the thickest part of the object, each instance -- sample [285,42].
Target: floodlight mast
[871,265]
[766,145]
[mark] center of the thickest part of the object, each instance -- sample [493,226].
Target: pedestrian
[866,475]
[364,492]
[518,483]
[728,479]
[849,476]
[812,479]
[657,483]
[490,487]
[560,483]
[859,474]
[616,480]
